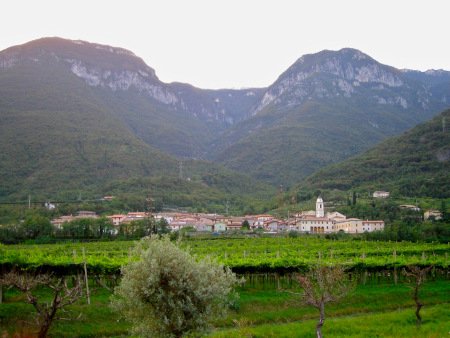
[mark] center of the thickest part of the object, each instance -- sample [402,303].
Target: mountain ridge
[326,107]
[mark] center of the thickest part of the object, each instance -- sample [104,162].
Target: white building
[333,222]
[434,214]
[381,194]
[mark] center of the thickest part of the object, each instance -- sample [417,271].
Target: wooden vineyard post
[395,275]
[86,278]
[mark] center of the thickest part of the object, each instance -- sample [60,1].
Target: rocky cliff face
[124,80]
[117,69]
[325,107]
[346,73]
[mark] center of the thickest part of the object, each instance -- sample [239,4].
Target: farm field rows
[240,254]
[269,303]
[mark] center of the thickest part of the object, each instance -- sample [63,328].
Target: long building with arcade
[320,222]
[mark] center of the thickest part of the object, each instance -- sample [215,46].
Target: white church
[319,222]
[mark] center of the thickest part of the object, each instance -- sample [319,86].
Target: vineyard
[243,255]
[267,305]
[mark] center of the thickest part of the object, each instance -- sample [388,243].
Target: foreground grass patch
[372,310]
[400,323]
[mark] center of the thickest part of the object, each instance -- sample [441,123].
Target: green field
[372,310]
[380,306]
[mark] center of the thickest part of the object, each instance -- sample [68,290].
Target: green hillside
[60,137]
[293,143]
[417,163]
[78,117]
[325,108]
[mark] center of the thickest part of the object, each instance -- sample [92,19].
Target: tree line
[38,229]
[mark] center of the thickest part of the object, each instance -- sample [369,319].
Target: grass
[395,323]
[266,313]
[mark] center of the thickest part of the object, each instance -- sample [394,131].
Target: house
[86,214]
[58,222]
[381,194]
[350,226]
[271,225]
[117,219]
[205,227]
[136,216]
[220,227]
[337,216]
[233,225]
[260,219]
[433,214]
[276,225]
[410,207]
[370,226]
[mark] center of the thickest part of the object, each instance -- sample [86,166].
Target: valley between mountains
[78,116]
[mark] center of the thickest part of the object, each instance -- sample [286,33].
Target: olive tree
[169,293]
[322,285]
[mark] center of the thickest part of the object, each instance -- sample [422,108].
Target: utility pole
[226,207]
[149,205]
[29,201]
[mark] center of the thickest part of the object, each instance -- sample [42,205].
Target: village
[312,221]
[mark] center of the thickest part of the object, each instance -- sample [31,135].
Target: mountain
[178,119]
[414,164]
[99,113]
[78,117]
[324,108]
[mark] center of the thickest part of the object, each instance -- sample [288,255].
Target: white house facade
[326,223]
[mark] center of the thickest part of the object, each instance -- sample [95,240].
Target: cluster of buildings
[331,222]
[313,221]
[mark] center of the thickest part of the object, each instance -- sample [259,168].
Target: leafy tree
[169,293]
[35,226]
[322,285]
[245,225]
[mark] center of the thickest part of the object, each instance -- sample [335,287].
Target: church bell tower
[320,211]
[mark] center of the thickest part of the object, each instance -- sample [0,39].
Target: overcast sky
[239,43]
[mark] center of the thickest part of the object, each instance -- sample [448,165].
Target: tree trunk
[44,329]
[418,305]
[419,318]
[321,321]
[49,316]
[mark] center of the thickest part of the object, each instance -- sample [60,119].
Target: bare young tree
[416,276]
[62,296]
[322,285]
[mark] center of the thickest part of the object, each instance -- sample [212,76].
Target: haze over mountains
[72,104]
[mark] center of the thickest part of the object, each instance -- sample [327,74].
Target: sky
[239,43]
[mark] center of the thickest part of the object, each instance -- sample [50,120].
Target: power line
[29,202]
